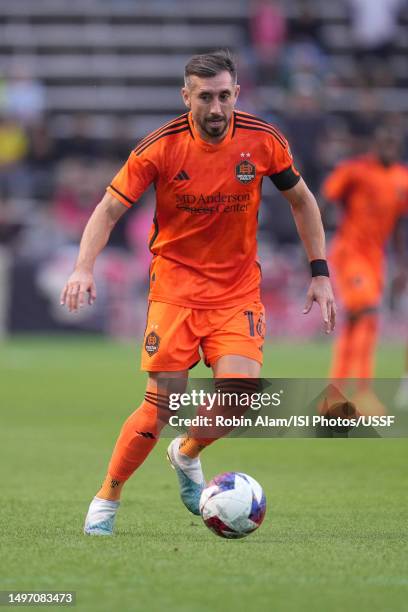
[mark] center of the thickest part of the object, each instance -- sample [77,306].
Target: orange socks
[194,442]
[355,348]
[111,488]
[137,439]
[364,342]
[342,351]
[192,447]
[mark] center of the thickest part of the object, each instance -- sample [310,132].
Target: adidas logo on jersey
[182,176]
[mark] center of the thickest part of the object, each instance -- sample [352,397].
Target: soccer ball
[233,505]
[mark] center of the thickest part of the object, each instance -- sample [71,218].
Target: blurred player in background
[372,191]
[399,297]
[207,167]
[401,398]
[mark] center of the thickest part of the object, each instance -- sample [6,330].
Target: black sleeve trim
[122,194]
[286,179]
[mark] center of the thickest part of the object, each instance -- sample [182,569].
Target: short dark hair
[210,64]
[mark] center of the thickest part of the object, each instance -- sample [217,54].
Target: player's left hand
[321,291]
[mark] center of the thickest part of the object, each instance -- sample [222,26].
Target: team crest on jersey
[152,344]
[245,171]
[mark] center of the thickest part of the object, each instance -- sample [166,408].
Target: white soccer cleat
[190,476]
[101,517]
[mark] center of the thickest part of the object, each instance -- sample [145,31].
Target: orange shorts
[358,282]
[174,335]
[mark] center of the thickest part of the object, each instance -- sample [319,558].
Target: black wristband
[319,267]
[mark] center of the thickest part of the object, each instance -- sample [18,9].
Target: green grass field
[334,537]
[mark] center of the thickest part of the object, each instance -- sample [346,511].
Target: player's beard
[215,130]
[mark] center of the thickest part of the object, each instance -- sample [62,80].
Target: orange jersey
[203,237]
[374,196]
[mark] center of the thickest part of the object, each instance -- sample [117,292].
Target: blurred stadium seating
[84,80]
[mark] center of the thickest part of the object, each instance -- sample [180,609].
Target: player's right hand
[74,292]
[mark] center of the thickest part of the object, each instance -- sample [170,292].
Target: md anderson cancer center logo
[245,171]
[207,204]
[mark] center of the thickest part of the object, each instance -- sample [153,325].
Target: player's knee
[236,395]
[229,366]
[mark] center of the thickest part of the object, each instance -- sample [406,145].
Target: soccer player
[373,193]
[207,167]
[401,397]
